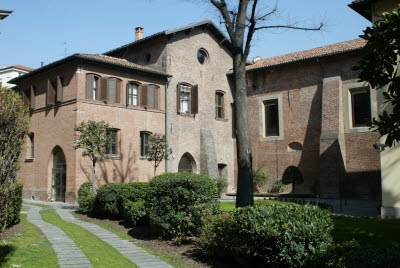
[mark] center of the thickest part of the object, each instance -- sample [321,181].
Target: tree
[158,150]
[380,68]
[94,141]
[14,125]
[245,17]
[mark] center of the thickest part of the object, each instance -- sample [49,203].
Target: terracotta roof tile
[23,67]
[309,54]
[120,62]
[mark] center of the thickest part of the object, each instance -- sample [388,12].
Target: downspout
[166,121]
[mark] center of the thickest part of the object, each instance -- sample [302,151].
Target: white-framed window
[133,91]
[185,99]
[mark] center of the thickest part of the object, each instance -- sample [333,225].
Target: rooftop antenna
[65,48]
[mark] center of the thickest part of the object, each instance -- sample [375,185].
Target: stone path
[135,254]
[68,253]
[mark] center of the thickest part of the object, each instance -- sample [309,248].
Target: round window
[202,55]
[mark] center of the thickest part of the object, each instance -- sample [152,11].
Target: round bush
[179,201]
[135,212]
[281,235]
[133,202]
[14,206]
[108,200]
[292,174]
[86,197]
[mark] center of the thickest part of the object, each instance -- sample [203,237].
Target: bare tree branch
[319,27]
[223,9]
[250,31]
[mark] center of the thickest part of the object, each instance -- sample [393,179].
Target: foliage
[94,141]
[135,212]
[260,177]
[179,201]
[284,235]
[221,183]
[14,207]
[292,174]
[86,197]
[158,150]
[134,191]
[14,124]
[351,255]
[278,186]
[107,200]
[380,68]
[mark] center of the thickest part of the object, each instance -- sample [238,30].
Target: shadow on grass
[5,251]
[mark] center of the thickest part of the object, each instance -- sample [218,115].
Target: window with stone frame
[187,99]
[113,148]
[132,94]
[271,117]
[144,143]
[219,105]
[360,107]
[31,146]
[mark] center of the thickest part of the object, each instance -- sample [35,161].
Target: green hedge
[179,201]
[14,206]
[133,202]
[282,235]
[86,197]
[107,200]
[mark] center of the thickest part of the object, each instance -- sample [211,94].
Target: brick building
[307,109]
[165,83]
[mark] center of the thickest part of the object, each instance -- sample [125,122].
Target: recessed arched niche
[294,147]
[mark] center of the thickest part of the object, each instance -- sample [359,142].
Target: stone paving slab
[135,254]
[68,253]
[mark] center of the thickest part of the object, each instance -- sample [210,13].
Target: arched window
[187,163]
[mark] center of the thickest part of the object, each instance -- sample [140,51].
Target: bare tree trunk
[243,142]
[94,176]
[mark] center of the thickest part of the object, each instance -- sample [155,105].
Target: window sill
[144,158]
[271,138]
[114,156]
[222,119]
[186,115]
[28,159]
[359,129]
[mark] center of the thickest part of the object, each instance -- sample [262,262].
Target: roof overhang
[4,13]
[363,7]
[80,57]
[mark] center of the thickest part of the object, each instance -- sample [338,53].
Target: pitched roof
[206,22]
[318,52]
[21,67]
[94,58]
[363,7]
[4,13]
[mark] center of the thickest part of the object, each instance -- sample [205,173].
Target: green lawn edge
[171,259]
[99,253]
[30,249]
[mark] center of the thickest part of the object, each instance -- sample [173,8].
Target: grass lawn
[30,249]
[367,231]
[99,253]
[169,258]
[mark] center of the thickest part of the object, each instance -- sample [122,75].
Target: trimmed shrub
[135,212]
[107,202]
[179,201]
[292,174]
[282,235]
[134,191]
[86,197]
[351,255]
[221,183]
[14,206]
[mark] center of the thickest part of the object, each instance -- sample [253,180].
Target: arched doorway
[58,175]
[187,163]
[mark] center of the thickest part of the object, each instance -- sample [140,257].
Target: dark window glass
[219,105]
[201,56]
[361,108]
[31,145]
[271,118]
[144,144]
[112,149]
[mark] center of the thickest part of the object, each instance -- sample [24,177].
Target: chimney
[41,64]
[138,33]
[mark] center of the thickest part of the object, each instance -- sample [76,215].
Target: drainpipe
[166,121]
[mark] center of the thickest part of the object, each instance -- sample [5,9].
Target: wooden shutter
[25,97]
[150,96]
[127,94]
[155,97]
[104,89]
[51,93]
[59,89]
[89,86]
[178,98]
[118,91]
[32,102]
[143,92]
[194,100]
